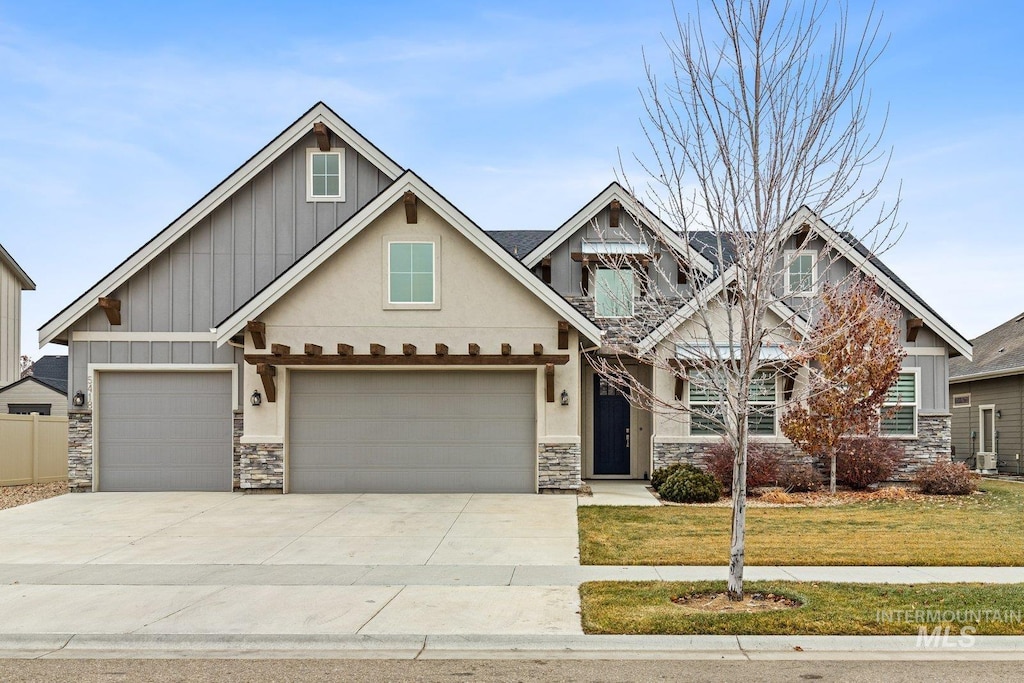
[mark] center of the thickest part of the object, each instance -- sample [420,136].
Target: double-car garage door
[373,431]
[425,431]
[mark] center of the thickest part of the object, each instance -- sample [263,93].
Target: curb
[231,646]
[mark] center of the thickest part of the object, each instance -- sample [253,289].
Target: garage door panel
[403,432]
[164,431]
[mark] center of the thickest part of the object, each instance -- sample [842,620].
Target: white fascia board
[369,213]
[849,252]
[249,170]
[686,311]
[595,206]
[12,265]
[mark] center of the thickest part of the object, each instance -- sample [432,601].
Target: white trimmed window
[325,175]
[801,276]
[899,416]
[705,404]
[411,273]
[613,292]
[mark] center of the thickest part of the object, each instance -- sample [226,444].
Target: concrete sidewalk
[465,575]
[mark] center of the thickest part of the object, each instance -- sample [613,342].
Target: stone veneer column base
[559,467]
[80,450]
[261,467]
[934,442]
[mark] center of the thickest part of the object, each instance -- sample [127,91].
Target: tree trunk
[832,474]
[739,517]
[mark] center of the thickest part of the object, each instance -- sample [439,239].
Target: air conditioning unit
[988,461]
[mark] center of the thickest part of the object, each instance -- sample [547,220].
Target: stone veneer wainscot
[559,467]
[80,450]
[933,443]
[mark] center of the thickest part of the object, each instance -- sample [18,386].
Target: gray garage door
[164,431]
[400,432]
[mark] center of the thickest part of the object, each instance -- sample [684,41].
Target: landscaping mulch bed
[720,602]
[13,496]
[818,499]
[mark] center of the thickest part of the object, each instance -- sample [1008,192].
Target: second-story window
[613,292]
[325,173]
[800,278]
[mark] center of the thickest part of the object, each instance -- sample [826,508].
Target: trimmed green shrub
[659,475]
[863,461]
[762,465]
[690,485]
[946,478]
[799,477]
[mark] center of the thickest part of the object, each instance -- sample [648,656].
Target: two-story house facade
[326,321]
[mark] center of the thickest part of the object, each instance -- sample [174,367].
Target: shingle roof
[519,243]
[998,350]
[52,370]
[706,242]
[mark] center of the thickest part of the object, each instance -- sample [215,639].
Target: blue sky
[117,116]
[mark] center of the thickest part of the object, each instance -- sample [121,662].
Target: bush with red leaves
[762,465]
[863,461]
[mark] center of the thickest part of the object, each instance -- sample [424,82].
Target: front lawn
[976,530]
[646,607]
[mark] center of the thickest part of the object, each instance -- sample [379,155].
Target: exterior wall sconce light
[565,397]
[256,398]
[999,414]
[78,400]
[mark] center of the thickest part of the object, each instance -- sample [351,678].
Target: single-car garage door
[400,432]
[164,431]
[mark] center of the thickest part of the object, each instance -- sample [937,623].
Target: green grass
[617,607]
[978,530]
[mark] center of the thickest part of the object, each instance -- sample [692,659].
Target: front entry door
[611,429]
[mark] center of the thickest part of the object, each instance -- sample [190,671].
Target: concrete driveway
[211,563]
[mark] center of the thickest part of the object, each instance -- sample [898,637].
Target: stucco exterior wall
[343,301]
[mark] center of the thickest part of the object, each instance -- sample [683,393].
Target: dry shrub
[864,461]
[799,477]
[762,465]
[778,498]
[946,478]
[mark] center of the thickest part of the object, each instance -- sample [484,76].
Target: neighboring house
[987,399]
[13,280]
[324,320]
[43,390]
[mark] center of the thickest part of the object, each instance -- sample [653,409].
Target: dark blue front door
[611,429]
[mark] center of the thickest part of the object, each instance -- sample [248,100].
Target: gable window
[800,278]
[325,175]
[899,416]
[613,292]
[411,273]
[705,404]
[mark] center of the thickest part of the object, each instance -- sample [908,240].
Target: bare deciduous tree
[760,139]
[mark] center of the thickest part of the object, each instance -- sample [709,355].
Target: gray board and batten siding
[426,432]
[229,256]
[1005,394]
[566,273]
